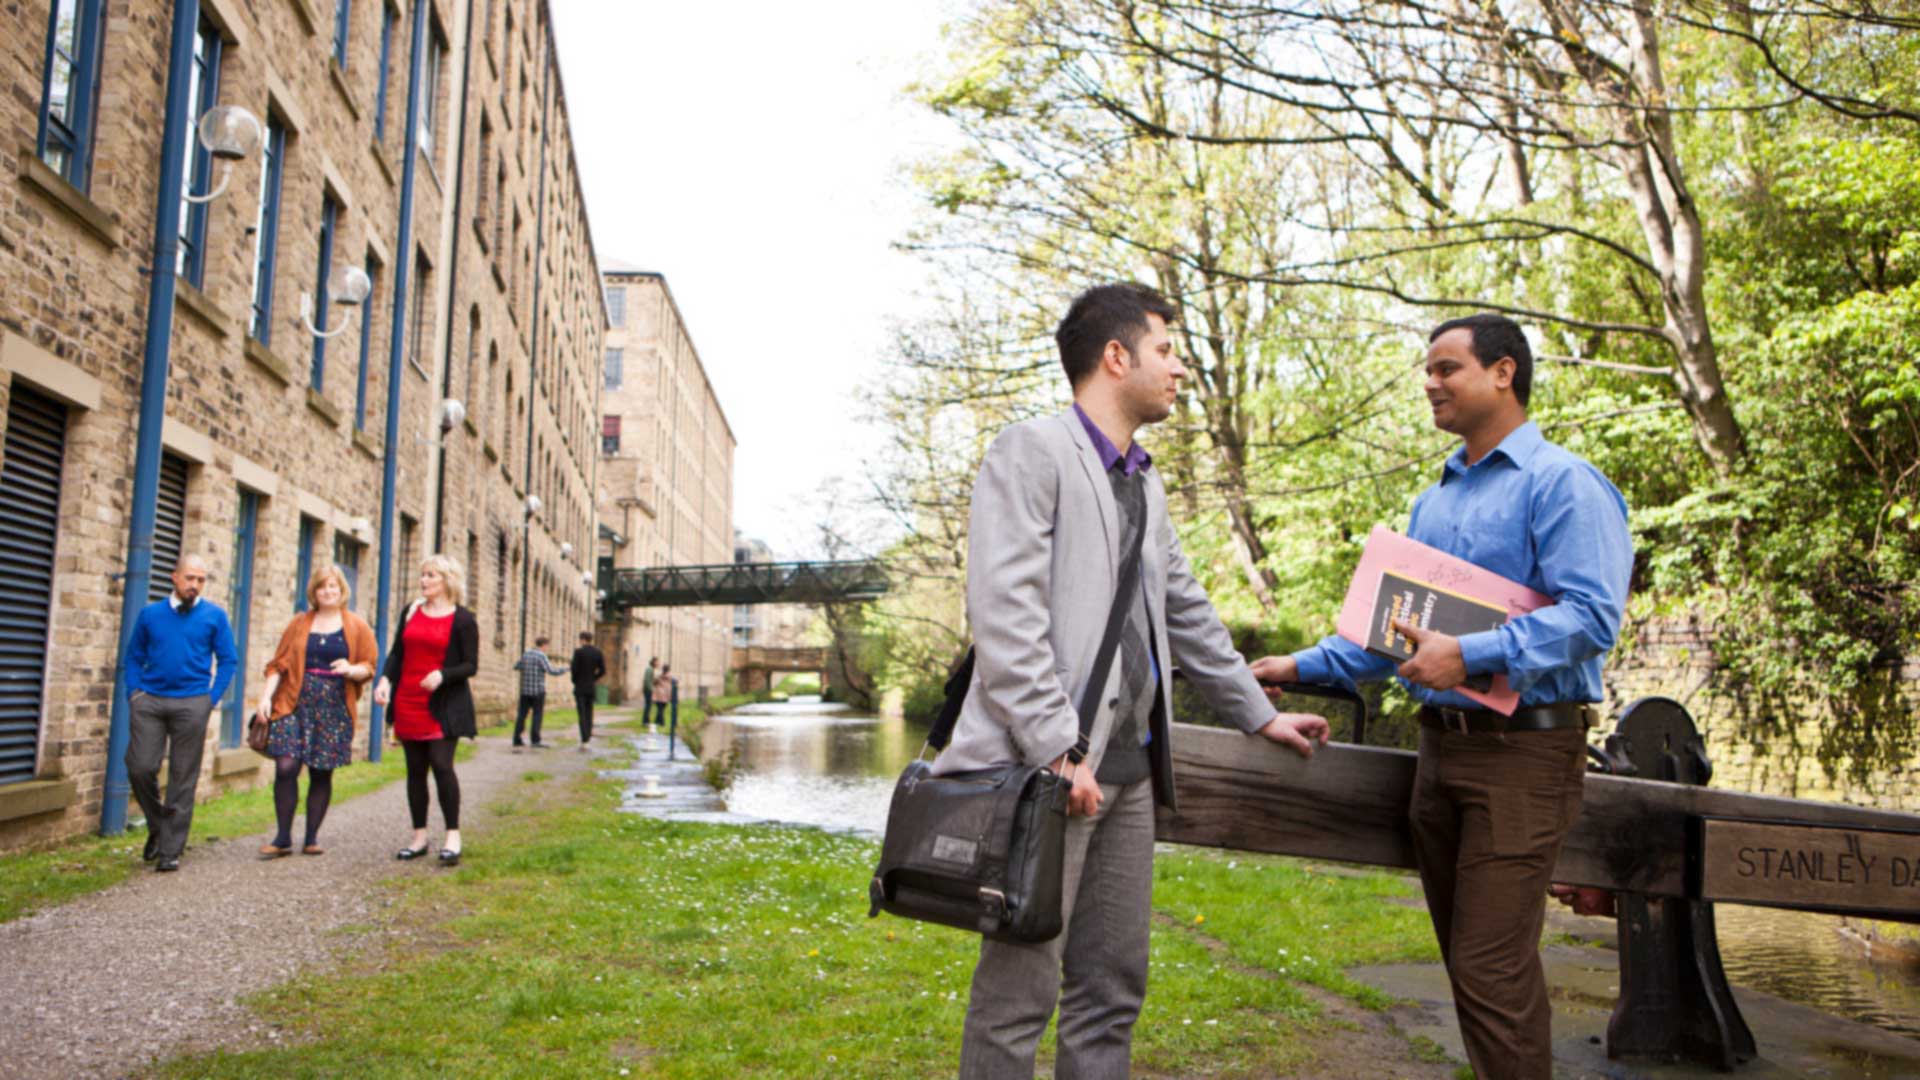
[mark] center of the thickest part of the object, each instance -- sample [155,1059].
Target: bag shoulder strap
[962,678]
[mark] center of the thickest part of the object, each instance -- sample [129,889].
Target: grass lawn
[581,941]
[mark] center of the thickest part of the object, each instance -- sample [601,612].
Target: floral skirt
[319,730]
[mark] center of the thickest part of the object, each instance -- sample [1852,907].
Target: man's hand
[1274,670]
[1084,798]
[1299,731]
[1436,662]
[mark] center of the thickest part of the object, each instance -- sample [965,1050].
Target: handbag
[983,850]
[257,735]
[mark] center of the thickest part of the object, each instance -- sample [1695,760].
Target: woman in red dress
[434,654]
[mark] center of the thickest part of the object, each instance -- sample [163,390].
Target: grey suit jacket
[1043,560]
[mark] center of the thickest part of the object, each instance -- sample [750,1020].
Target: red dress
[423,651]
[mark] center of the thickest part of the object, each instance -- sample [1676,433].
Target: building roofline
[573,159]
[656,275]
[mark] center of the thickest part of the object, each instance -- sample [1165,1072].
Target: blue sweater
[172,654]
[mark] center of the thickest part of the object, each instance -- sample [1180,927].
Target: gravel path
[156,966]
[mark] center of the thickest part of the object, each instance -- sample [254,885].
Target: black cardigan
[451,704]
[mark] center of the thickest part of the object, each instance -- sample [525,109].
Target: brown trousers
[1488,814]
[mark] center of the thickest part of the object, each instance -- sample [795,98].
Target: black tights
[286,793]
[436,754]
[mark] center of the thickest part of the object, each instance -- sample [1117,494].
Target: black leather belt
[1553,717]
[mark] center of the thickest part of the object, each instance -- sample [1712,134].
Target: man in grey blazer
[1056,503]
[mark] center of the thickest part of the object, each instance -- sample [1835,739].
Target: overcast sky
[752,153]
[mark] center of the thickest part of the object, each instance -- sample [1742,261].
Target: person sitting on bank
[432,661]
[587,666]
[1494,795]
[309,701]
[172,683]
[534,667]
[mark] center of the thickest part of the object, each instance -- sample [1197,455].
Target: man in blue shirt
[1494,795]
[169,664]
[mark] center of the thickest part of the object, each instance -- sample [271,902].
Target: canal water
[821,764]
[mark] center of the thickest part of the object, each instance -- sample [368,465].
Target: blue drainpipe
[153,400]
[403,254]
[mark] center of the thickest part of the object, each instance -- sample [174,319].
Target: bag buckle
[994,899]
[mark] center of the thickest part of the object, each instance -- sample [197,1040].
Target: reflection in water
[1800,956]
[816,764]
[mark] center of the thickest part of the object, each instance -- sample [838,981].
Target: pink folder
[1387,550]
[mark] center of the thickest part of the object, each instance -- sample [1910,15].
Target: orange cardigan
[290,660]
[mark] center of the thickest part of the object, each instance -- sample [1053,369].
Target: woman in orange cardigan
[312,689]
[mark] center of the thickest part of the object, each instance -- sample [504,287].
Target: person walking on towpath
[587,666]
[309,701]
[172,682]
[534,667]
[1494,795]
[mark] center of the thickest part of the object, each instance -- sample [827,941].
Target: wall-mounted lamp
[533,505]
[451,413]
[230,133]
[566,550]
[360,527]
[349,288]
[587,580]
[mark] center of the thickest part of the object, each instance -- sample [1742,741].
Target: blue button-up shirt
[1533,513]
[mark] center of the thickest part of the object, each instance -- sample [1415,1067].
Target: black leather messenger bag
[983,850]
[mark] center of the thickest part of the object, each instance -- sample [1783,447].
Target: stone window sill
[340,83]
[379,152]
[318,403]
[267,361]
[480,233]
[39,176]
[366,444]
[32,797]
[190,298]
[309,16]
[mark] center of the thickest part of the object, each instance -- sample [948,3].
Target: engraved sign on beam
[1782,864]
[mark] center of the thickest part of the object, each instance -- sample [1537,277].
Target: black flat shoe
[449,857]
[409,854]
[152,850]
[166,865]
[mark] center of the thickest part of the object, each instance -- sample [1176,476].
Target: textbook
[1404,579]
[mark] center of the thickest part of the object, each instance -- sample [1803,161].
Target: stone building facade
[275,443]
[666,483]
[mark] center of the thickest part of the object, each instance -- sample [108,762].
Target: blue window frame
[388,17]
[246,524]
[70,88]
[266,229]
[430,92]
[204,93]
[346,556]
[366,345]
[342,28]
[322,274]
[309,532]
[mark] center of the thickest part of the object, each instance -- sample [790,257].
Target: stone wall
[1674,658]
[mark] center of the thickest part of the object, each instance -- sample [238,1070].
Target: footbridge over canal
[835,582]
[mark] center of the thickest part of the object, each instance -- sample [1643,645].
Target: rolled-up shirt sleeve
[1335,661]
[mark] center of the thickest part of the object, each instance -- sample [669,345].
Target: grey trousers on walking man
[1107,895]
[152,723]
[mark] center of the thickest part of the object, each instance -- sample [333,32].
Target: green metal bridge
[743,583]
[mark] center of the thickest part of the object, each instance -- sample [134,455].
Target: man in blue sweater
[170,662]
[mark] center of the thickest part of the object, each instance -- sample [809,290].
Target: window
[409,552]
[266,229]
[246,523]
[303,569]
[500,583]
[430,91]
[203,93]
[388,16]
[169,526]
[322,275]
[616,306]
[473,358]
[417,333]
[609,435]
[366,344]
[70,88]
[342,28]
[483,197]
[616,360]
[346,556]
[33,455]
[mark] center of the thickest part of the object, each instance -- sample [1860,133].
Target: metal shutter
[169,526]
[36,445]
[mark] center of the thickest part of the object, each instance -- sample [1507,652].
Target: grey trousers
[153,723]
[1096,968]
